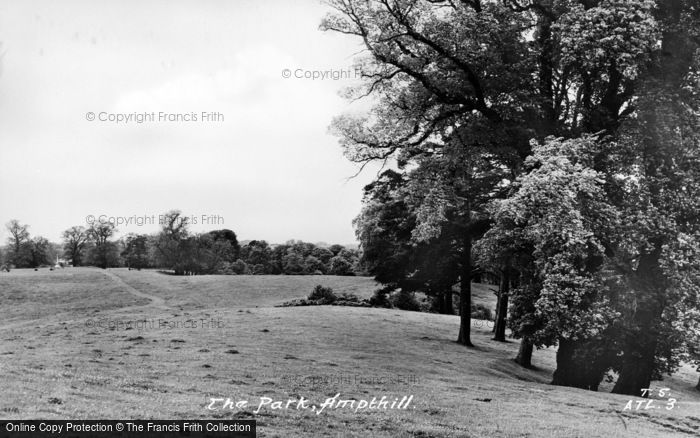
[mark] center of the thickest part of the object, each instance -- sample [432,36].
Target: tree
[335,249]
[258,253]
[104,253]
[136,251]
[171,245]
[385,228]
[435,270]
[340,266]
[643,270]
[691,324]
[200,255]
[75,240]
[312,265]
[351,256]
[229,236]
[293,263]
[502,305]
[323,254]
[39,252]
[277,255]
[214,251]
[304,249]
[660,255]
[18,252]
[560,219]
[450,189]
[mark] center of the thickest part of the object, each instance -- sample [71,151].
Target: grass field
[85,343]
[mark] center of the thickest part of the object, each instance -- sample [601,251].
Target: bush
[322,294]
[380,297]
[348,298]
[479,311]
[325,296]
[239,267]
[405,301]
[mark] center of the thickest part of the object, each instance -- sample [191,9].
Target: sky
[262,164]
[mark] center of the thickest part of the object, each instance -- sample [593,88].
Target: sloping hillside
[220,337]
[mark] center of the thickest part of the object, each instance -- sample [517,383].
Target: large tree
[18,243]
[136,251]
[553,230]
[385,228]
[171,246]
[230,237]
[75,240]
[258,255]
[104,252]
[647,264]
[659,256]
[39,251]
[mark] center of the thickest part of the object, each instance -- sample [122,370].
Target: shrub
[322,294]
[348,298]
[240,267]
[479,311]
[405,301]
[380,297]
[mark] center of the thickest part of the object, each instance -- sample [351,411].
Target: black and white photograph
[350,218]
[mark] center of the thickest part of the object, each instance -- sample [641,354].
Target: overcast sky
[270,169]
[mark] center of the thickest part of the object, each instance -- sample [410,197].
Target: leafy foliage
[554,216]
[322,294]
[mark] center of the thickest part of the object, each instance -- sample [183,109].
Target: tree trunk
[524,357]
[445,303]
[567,372]
[498,306]
[635,375]
[638,360]
[502,308]
[448,308]
[465,293]
[698,385]
[641,338]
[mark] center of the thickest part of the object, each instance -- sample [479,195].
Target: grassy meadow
[85,343]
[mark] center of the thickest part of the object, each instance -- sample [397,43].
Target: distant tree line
[175,248]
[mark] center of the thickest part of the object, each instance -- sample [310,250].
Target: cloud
[247,81]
